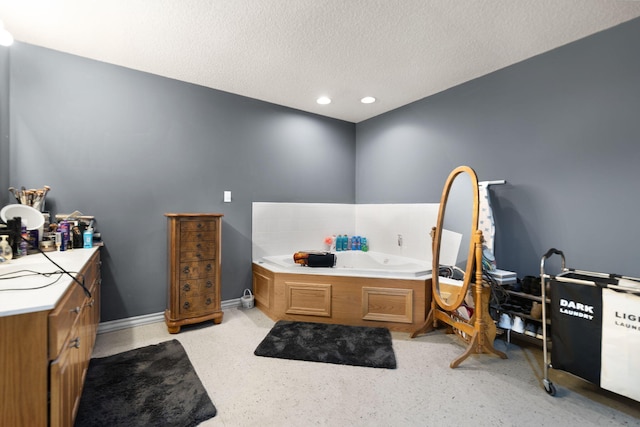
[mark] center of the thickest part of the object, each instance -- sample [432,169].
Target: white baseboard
[145,319]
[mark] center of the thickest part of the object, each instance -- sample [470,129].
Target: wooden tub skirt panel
[397,304]
[313,299]
[387,305]
[262,289]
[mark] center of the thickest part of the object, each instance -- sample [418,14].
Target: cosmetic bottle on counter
[5,248]
[24,236]
[58,241]
[87,237]
[63,226]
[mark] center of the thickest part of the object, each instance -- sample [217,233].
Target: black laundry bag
[576,327]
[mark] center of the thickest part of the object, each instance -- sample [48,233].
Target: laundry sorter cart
[595,327]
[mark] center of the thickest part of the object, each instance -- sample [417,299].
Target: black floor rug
[320,342]
[148,386]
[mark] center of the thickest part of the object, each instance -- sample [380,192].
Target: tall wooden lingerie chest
[193,248]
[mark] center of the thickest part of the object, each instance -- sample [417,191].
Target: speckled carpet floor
[422,391]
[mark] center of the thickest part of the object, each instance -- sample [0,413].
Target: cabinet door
[66,381]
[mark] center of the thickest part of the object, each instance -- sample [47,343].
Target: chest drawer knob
[199,225]
[209,284]
[75,310]
[186,305]
[208,301]
[186,270]
[186,287]
[209,267]
[74,343]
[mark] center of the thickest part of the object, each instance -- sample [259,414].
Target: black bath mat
[321,342]
[148,386]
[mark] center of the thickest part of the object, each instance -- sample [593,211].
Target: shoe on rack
[536,287]
[539,333]
[530,329]
[526,284]
[505,321]
[518,325]
[536,310]
[516,287]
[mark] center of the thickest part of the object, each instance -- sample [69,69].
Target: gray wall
[127,147]
[562,128]
[4,125]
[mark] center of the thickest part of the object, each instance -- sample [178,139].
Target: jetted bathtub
[363,289]
[354,263]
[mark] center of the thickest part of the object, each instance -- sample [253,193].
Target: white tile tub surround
[383,223]
[283,228]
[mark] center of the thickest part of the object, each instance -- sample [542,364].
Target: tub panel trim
[312,299]
[263,288]
[387,304]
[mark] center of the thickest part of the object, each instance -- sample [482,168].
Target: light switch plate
[227,196]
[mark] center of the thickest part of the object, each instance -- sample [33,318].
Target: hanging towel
[486,223]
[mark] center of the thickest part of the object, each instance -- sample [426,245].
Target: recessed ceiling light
[323,100]
[368,100]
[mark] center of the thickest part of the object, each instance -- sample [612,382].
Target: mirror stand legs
[428,324]
[479,344]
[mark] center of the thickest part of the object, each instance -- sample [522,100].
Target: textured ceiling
[289,52]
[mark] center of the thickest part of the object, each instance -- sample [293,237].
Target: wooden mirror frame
[437,239]
[477,330]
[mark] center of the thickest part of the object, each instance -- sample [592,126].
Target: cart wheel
[550,388]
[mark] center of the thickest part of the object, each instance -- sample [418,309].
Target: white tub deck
[354,263]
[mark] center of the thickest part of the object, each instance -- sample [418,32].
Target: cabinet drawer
[196,287]
[197,269]
[197,236]
[195,305]
[205,226]
[63,317]
[195,250]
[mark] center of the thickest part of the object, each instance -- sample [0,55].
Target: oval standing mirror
[453,246]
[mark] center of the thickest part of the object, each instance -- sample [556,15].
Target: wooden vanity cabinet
[73,326]
[193,249]
[44,356]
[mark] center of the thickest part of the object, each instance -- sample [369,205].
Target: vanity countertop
[23,290]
